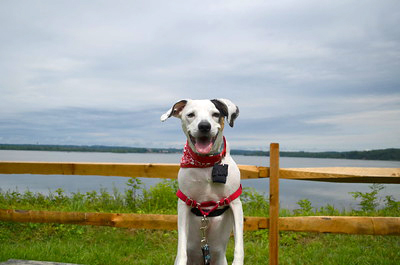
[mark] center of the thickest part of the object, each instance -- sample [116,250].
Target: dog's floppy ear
[227,108]
[175,110]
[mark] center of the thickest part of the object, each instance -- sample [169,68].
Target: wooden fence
[323,224]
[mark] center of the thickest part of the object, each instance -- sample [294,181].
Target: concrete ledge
[32,262]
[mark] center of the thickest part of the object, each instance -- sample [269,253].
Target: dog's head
[203,121]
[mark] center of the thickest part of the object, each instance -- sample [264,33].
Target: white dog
[209,184]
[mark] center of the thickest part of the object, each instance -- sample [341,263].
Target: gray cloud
[311,75]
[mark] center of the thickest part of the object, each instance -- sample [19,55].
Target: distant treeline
[383,154]
[86,148]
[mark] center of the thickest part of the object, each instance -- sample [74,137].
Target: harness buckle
[190,202]
[224,201]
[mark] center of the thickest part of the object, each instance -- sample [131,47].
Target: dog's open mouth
[203,144]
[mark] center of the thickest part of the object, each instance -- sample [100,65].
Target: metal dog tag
[206,254]
[219,173]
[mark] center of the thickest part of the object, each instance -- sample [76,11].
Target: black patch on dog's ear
[234,116]
[223,109]
[226,109]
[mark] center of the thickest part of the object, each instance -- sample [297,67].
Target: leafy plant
[328,210]
[131,194]
[161,198]
[369,200]
[392,207]
[254,203]
[305,207]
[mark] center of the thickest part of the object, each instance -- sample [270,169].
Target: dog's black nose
[204,126]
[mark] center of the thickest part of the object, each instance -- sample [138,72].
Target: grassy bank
[105,245]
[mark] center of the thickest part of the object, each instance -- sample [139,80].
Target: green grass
[341,249]
[107,245]
[85,244]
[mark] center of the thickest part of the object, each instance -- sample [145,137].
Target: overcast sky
[312,75]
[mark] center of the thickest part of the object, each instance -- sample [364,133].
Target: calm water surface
[319,193]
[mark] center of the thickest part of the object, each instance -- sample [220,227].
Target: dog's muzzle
[203,140]
[203,144]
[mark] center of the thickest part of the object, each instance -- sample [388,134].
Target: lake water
[291,191]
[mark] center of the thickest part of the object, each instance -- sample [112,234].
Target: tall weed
[254,203]
[160,198]
[369,200]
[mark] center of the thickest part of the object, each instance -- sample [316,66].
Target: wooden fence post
[274,204]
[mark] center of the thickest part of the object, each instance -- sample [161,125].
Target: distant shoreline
[390,154]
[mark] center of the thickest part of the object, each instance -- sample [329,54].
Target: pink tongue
[203,148]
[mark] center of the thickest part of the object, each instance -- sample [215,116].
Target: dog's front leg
[183,216]
[237,210]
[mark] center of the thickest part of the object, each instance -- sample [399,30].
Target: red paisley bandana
[191,159]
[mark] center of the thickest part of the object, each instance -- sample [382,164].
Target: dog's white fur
[197,184]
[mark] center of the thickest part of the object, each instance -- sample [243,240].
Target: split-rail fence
[321,224]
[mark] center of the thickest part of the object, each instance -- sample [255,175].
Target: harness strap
[215,213]
[223,202]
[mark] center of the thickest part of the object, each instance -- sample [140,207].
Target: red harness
[191,160]
[223,202]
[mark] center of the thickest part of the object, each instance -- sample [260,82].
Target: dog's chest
[195,177]
[198,184]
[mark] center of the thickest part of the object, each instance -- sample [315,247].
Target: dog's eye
[216,115]
[190,115]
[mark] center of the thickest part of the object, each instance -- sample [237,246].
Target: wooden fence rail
[327,174]
[322,224]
